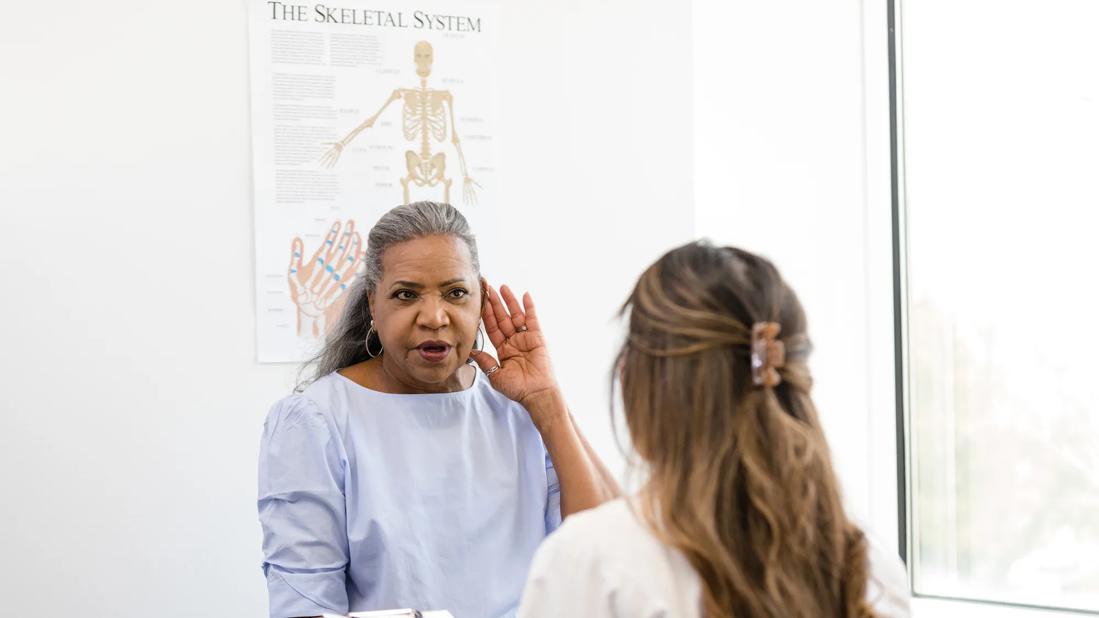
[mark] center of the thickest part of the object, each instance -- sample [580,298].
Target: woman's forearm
[610,483]
[585,481]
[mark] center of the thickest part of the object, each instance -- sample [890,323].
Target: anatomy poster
[356,108]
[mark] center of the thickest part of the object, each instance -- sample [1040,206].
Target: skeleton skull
[423,56]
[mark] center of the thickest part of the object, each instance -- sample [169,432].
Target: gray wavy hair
[347,341]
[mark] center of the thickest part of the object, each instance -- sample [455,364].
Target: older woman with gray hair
[403,476]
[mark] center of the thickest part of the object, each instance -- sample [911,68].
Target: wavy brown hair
[740,476]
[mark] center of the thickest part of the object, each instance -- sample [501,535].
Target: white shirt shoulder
[887,587]
[607,562]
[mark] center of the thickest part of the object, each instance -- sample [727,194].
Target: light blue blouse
[371,500]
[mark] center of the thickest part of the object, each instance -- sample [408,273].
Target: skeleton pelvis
[425,172]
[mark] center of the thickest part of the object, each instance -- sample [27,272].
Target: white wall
[599,121]
[132,405]
[792,161]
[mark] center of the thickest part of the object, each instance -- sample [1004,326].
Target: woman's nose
[433,314]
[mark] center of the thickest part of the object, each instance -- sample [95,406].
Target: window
[1000,168]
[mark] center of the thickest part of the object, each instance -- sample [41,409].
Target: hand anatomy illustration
[319,286]
[424,119]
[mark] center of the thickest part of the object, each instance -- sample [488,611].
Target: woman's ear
[484,291]
[370,303]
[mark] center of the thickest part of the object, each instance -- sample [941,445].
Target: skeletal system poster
[357,108]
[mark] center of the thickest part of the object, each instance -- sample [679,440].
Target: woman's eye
[459,293]
[404,295]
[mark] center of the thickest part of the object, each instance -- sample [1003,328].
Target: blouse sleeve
[553,497]
[302,512]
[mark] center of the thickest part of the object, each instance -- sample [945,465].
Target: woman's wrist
[546,408]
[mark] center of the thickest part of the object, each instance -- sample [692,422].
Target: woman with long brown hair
[741,513]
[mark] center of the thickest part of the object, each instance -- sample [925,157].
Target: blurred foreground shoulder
[887,587]
[605,562]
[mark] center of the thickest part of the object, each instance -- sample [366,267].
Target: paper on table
[395,614]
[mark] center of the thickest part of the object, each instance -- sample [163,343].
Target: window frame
[941,606]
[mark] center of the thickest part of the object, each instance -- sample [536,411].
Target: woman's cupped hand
[525,374]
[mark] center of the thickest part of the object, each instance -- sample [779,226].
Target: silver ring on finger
[492,370]
[521,329]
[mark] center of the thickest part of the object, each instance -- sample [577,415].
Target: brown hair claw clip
[768,354]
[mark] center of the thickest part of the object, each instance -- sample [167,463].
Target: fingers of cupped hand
[531,315]
[484,360]
[518,316]
[504,317]
[492,326]
[500,314]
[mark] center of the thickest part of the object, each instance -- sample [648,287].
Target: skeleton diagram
[424,118]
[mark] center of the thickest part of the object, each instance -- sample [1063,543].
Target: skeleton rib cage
[424,116]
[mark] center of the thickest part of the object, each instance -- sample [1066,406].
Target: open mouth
[434,351]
